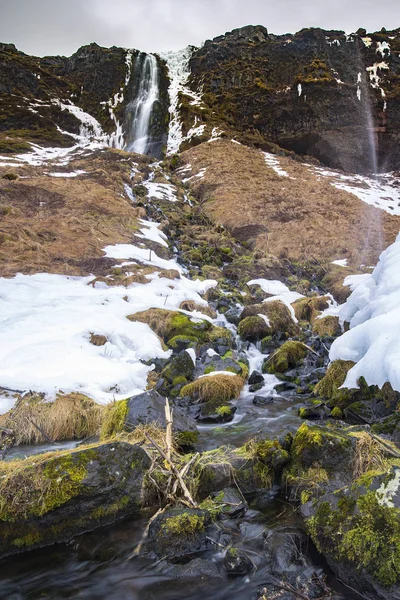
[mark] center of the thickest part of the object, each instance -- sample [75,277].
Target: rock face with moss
[300,91]
[358,528]
[54,497]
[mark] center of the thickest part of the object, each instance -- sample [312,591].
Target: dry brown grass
[303,217]
[307,309]
[214,387]
[191,305]
[369,455]
[60,225]
[71,416]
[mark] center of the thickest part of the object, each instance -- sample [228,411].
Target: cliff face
[317,92]
[34,93]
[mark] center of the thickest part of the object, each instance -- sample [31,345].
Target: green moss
[111,509]
[224,411]
[288,356]
[184,524]
[327,327]
[209,369]
[187,439]
[303,413]
[38,489]
[187,341]
[337,413]
[114,419]
[27,541]
[180,380]
[365,532]
[253,328]
[329,386]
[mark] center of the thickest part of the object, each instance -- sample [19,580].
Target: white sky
[43,27]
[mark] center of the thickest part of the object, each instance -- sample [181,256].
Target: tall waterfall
[148,94]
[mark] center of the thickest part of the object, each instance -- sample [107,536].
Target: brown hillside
[300,217]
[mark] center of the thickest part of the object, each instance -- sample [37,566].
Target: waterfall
[148,94]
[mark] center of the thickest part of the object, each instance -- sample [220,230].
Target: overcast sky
[43,27]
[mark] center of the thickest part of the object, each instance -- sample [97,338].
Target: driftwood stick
[184,471]
[138,548]
[41,431]
[168,436]
[174,470]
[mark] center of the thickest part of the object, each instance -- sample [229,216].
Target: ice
[144,255]
[381,191]
[161,191]
[373,311]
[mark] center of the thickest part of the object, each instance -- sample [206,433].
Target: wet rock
[314,412]
[181,365]
[286,386]
[179,533]
[233,315]
[256,387]
[55,498]
[308,585]
[224,414]
[196,568]
[255,378]
[237,563]
[367,411]
[263,400]
[357,528]
[285,549]
[232,501]
[149,407]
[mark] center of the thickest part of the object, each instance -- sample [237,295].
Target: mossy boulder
[308,309]
[288,356]
[327,326]
[54,497]
[170,325]
[278,315]
[320,458]
[357,529]
[329,388]
[144,409]
[179,532]
[253,329]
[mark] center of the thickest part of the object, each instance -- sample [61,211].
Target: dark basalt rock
[234,504]
[149,407]
[255,378]
[237,563]
[263,400]
[251,81]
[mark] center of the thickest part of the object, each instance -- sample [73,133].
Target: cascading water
[142,106]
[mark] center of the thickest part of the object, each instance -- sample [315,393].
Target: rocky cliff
[320,93]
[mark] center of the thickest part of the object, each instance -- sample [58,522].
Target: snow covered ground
[45,327]
[373,311]
[381,191]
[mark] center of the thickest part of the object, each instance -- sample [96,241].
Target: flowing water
[142,106]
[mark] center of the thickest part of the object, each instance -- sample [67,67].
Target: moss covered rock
[288,356]
[214,392]
[358,530]
[307,309]
[327,326]
[179,532]
[329,387]
[52,498]
[278,315]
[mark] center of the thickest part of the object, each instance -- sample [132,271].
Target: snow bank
[45,326]
[373,311]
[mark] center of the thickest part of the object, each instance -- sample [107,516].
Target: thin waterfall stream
[148,94]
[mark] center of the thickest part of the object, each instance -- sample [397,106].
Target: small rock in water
[234,503]
[262,400]
[237,562]
[255,378]
[256,387]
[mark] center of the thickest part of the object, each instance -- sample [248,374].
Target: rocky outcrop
[319,93]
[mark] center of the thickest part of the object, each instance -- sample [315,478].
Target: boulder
[237,563]
[263,400]
[52,498]
[143,409]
